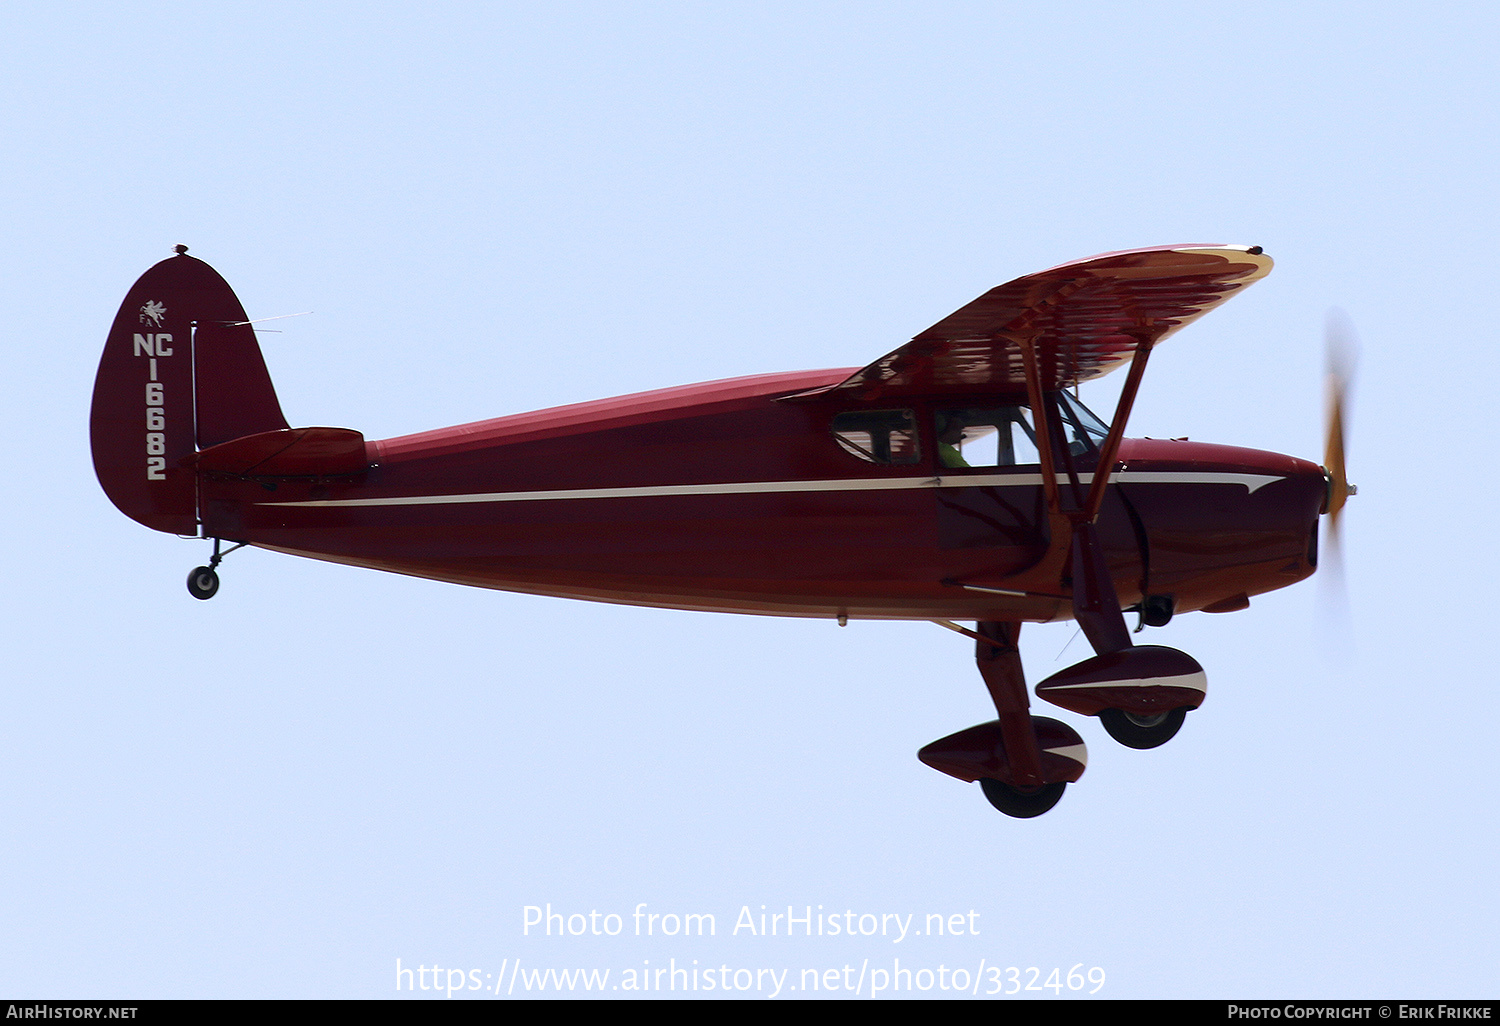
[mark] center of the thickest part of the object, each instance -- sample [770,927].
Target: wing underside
[1082,319]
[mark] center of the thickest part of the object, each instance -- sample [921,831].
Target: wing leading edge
[1083,319]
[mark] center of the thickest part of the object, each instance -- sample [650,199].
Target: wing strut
[1060,525]
[1111,446]
[1075,547]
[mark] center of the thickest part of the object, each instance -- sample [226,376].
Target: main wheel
[203,582]
[1022,803]
[1134,731]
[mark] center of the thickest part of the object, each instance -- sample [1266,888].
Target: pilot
[950,437]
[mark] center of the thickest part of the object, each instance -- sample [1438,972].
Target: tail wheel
[203,582]
[1022,803]
[1135,731]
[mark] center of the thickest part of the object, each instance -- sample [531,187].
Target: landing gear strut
[1023,762]
[203,582]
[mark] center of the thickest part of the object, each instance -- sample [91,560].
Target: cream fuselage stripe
[1251,482]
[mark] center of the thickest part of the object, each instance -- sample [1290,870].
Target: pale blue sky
[499,207]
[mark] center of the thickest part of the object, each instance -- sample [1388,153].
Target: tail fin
[181,371]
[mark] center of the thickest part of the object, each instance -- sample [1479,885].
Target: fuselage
[725,496]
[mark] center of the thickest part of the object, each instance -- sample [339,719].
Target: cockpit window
[879,436]
[999,436]
[1005,436]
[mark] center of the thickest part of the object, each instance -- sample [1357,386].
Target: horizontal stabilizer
[291,452]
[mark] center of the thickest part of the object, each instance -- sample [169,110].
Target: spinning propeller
[1342,350]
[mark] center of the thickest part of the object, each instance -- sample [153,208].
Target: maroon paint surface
[913,551]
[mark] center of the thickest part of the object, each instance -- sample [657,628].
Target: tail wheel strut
[203,581]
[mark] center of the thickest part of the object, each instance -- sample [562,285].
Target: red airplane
[956,478]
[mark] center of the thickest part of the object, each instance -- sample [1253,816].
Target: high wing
[1082,319]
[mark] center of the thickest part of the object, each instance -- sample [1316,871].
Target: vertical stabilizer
[180,371]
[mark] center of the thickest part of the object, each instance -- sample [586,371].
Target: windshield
[1085,431]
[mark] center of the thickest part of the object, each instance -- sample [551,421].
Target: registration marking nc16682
[154,347]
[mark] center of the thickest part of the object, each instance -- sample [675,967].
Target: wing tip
[1229,251]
